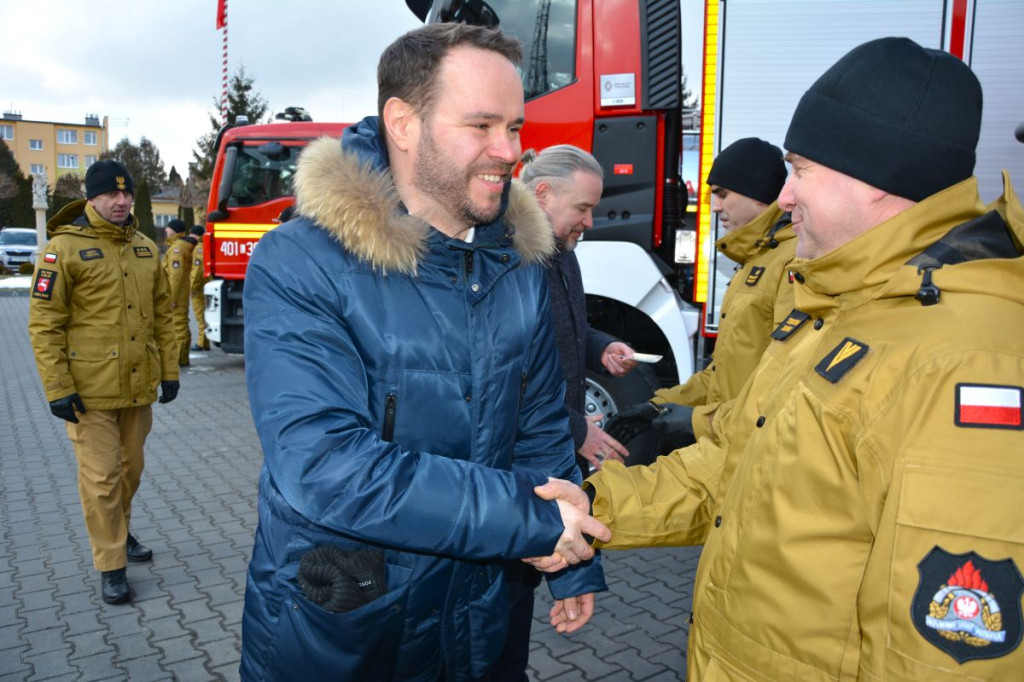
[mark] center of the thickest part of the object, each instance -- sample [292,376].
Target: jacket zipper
[390,403]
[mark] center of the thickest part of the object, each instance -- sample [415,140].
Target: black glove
[675,424]
[169,391]
[65,407]
[632,421]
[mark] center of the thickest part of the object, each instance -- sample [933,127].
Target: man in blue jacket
[405,385]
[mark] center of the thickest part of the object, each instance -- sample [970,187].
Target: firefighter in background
[178,266]
[744,181]
[198,281]
[101,329]
[858,522]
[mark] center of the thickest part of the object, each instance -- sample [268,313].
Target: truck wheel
[607,395]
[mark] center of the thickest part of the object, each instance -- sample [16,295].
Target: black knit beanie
[177,225]
[900,117]
[197,230]
[751,167]
[107,176]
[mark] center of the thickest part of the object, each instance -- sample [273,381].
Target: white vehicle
[18,245]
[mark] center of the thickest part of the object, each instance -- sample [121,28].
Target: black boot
[115,587]
[135,552]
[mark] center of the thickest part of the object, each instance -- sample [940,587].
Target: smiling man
[405,385]
[858,521]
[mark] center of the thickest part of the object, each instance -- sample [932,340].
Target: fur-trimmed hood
[347,190]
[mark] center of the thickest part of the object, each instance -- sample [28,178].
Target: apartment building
[54,148]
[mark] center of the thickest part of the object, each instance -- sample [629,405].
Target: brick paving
[197,510]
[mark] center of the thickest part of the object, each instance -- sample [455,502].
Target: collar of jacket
[749,240]
[349,192]
[79,217]
[877,264]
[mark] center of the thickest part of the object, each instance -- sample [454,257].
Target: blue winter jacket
[407,393]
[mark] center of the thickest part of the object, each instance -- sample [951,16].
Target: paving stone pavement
[197,510]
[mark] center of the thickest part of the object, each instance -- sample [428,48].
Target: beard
[438,176]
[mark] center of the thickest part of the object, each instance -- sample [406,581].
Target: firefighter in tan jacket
[102,334]
[197,280]
[178,267]
[860,516]
[744,181]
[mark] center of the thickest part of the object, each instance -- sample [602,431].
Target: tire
[607,395]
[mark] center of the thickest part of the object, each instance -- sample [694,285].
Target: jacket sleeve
[308,392]
[163,328]
[666,504]
[693,392]
[47,325]
[597,341]
[545,444]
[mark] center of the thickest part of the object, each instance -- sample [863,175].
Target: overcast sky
[154,67]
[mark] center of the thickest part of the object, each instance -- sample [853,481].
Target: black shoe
[196,348]
[135,552]
[115,587]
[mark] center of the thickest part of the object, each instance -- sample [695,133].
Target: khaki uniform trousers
[108,446]
[182,332]
[199,308]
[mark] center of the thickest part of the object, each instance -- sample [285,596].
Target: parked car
[17,245]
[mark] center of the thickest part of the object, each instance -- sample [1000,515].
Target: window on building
[37,169]
[35,145]
[6,132]
[66,136]
[67,161]
[161,220]
[90,138]
[90,159]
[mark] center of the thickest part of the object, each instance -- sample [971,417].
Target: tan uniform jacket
[197,280]
[178,267]
[874,466]
[99,314]
[758,297]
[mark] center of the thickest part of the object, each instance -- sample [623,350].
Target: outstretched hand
[574,506]
[570,614]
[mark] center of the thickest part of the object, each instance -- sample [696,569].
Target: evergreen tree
[15,209]
[244,100]
[174,179]
[187,215]
[143,210]
[690,100]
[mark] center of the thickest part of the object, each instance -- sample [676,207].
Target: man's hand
[675,424]
[569,615]
[574,506]
[600,446]
[632,421]
[65,407]
[168,391]
[617,358]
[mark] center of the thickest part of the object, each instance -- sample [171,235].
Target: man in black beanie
[858,515]
[744,181]
[100,324]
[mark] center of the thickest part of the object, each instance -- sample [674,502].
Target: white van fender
[624,272]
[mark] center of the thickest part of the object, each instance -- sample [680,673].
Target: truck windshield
[257,178]
[18,237]
[546,28]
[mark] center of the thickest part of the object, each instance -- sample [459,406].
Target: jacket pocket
[96,369]
[387,432]
[956,586]
[313,644]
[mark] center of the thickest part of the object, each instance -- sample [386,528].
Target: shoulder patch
[175,264]
[842,359]
[197,263]
[754,276]
[988,406]
[50,258]
[43,286]
[90,254]
[968,606]
[793,321]
[143,252]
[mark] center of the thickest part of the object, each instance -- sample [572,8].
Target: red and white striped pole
[222,23]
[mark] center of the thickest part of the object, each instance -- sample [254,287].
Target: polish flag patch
[50,258]
[988,406]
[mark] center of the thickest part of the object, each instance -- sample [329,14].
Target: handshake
[573,545]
